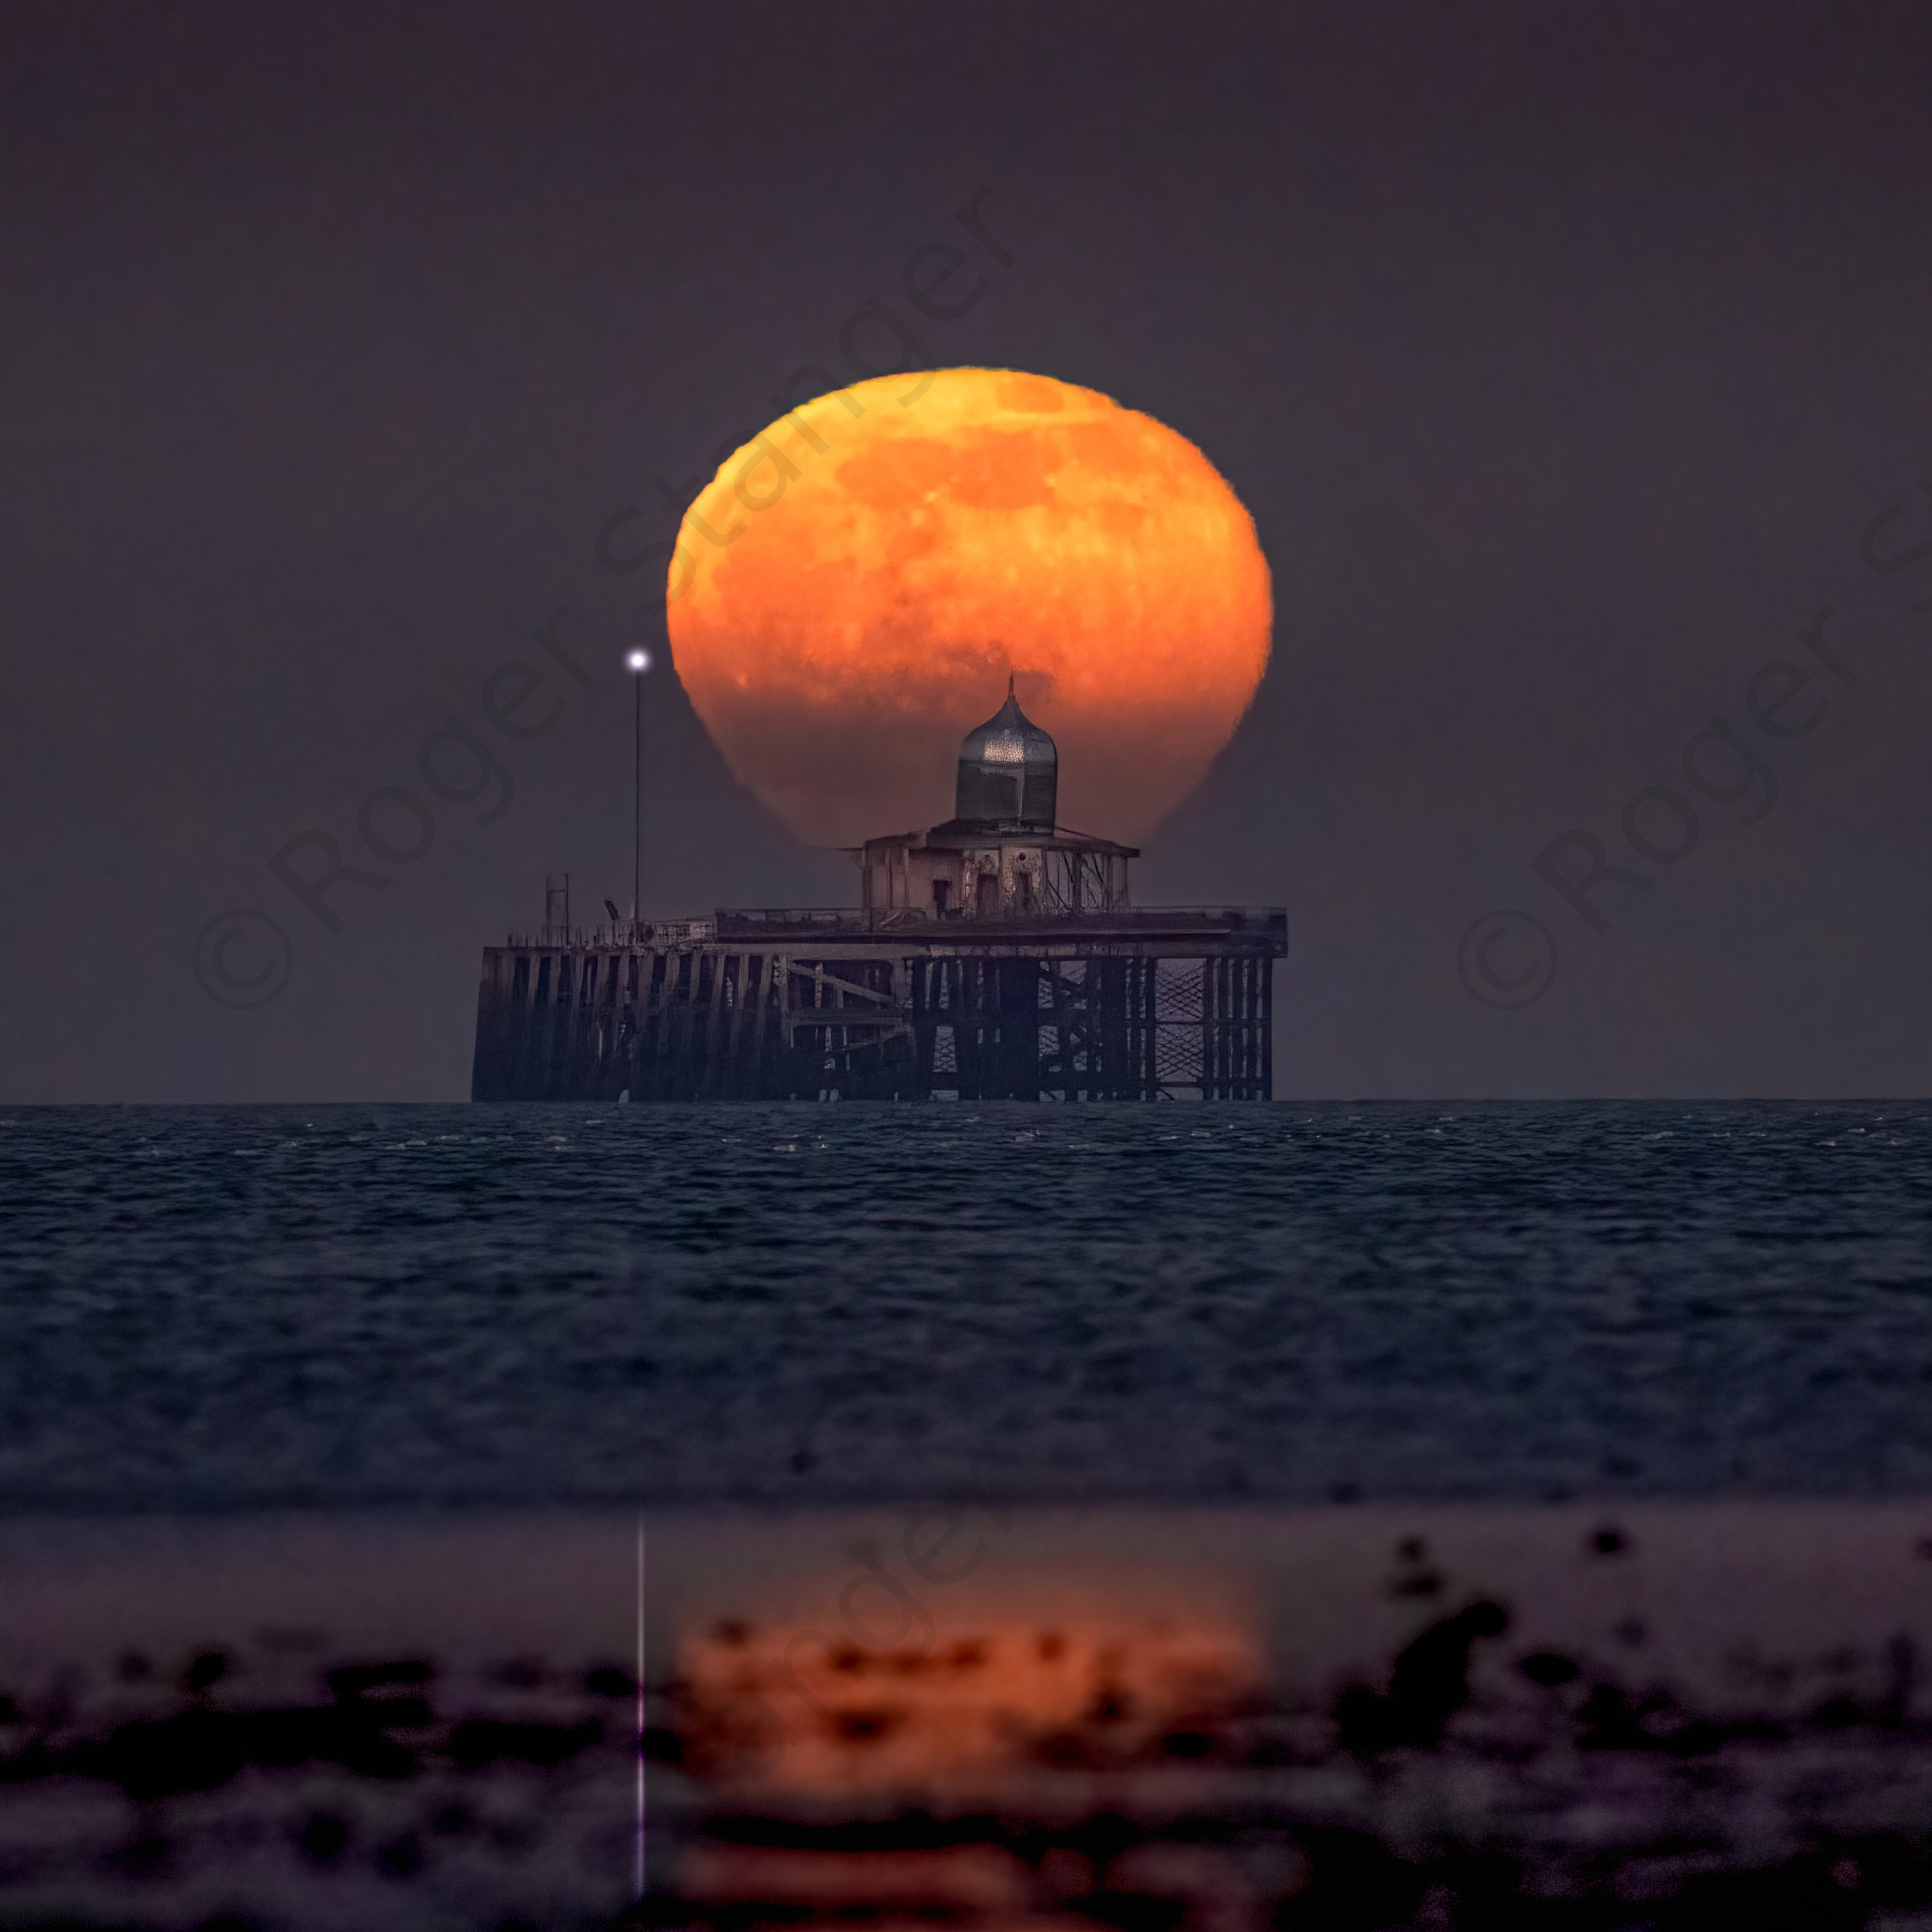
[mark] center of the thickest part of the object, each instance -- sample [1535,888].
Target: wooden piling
[754,1015]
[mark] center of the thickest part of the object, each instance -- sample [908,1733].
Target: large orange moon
[851,591]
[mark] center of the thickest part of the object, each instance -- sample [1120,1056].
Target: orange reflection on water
[977,1880]
[820,1715]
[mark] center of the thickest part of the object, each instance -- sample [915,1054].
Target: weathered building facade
[997,956]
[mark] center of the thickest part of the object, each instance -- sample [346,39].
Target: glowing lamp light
[639,660]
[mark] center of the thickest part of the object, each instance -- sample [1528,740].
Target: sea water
[214,1308]
[1212,1517]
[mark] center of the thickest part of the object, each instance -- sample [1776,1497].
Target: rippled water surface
[212,1307]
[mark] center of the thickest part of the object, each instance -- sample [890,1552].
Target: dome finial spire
[1008,773]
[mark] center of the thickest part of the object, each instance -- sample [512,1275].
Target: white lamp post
[639,662]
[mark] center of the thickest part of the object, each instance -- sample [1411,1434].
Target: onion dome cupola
[1009,774]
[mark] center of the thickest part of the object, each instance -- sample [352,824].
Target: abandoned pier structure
[995,957]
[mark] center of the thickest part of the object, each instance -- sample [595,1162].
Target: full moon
[851,591]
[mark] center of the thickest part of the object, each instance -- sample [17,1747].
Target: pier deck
[771,1004]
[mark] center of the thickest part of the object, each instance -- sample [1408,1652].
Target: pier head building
[997,956]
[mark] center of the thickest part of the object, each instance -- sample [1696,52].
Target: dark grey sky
[1562,353]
